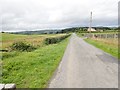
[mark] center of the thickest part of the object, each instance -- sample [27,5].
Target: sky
[20,15]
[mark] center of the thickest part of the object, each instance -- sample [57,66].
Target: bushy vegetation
[33,69]
[27,67]
[21,46]
[53,40]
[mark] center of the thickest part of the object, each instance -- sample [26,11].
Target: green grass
[11,37]
[6,36]
[33,69]
[35,40]
[109,48]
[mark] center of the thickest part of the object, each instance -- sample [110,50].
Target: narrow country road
[85,66]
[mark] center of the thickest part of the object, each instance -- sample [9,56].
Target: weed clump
[22,46]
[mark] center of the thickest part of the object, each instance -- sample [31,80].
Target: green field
[11,37]
[32,69]
[35,40]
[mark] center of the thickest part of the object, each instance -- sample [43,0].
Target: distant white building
[92,29]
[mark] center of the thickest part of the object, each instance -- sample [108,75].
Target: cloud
[48,14]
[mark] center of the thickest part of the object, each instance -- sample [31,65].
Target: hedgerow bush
[22,46]
[53,40]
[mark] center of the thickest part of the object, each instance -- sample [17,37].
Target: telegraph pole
[90,21]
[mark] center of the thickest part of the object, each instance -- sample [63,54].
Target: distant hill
[38,32]
[67,30]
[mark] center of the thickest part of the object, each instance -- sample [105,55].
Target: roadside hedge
[24,46]
[53,40]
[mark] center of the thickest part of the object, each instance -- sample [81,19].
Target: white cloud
[42,14]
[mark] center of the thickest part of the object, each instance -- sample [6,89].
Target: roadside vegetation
[109,45]
[29,61]
[34,68]
[53,40]
[35,40]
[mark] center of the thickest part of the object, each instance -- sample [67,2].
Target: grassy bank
[33,69]
[108,45]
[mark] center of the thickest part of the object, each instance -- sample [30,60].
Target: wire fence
[93,35]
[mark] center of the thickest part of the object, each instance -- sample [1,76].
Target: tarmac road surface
[85,66]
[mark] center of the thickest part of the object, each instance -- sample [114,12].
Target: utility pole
[90,21]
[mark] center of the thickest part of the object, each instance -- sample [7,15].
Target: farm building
[91,29]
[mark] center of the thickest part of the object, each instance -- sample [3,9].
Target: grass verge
[107,47]
[33,69]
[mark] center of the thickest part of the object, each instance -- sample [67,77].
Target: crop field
[35,68]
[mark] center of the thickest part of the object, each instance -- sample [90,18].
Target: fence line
[93,35]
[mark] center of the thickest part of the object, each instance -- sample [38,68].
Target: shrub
[53,40]
[21,46]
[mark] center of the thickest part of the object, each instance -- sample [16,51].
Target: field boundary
[93,35]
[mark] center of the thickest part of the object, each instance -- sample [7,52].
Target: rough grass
[108,45]
[35,40]
[8,39]
[33,69]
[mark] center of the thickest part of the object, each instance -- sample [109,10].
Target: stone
[2,86]
[10,86]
